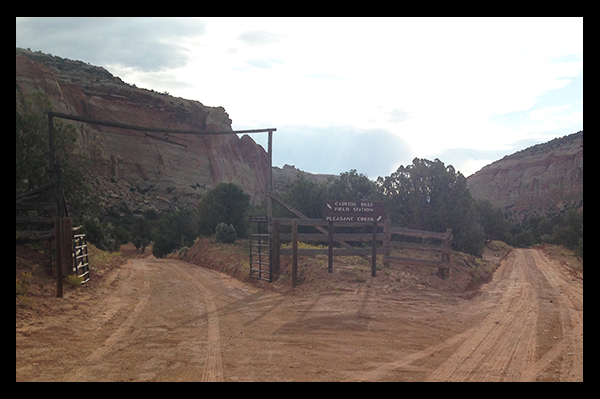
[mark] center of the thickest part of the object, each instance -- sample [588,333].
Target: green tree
[32,164]
[307,196]
[495,226]
[429,195]
[568,231]
[141,232]
[174,230]
[353,186]
[225,203]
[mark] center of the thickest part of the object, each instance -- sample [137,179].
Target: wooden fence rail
[380,233]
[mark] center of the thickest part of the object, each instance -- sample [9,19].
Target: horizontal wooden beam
[418,233]
[413,245]
[40,206]
[362,252]
[32,220]
[154,129]
[421,262]
[34,235]
[336,251]
[393,230]
[323,223]
[325,237]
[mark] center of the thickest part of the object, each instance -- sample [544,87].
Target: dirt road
[165,320]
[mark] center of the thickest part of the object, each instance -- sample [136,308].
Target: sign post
[374,252]
[354,212]
[330,249]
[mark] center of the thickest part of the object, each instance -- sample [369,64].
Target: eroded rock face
[542,179]
[284,177]
[166,171]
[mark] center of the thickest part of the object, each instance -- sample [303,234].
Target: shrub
[172,231]
[225,233]
[73,281]
[225,203]
[23,283]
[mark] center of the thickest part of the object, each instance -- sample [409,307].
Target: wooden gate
[81,266]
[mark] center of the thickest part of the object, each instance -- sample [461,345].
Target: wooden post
[330,249]
[272,265]
[294,252]
[59,256]
[387,238]
[275,247]
[374,252]
[270,181]
[57,219]
[51,147]
[67,245]
[444,272]
[259,253]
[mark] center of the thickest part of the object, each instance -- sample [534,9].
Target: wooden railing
[386,237]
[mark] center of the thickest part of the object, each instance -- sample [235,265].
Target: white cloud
[144,44]
[258,37]
[544,113]
[436,83]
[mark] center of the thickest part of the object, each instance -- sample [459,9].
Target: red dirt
[167,320]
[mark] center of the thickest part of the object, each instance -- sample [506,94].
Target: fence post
[444,272]
[294,252]
[59,255]
[374,251]
[387,237]
[275,247]
[67,245]
[330,249]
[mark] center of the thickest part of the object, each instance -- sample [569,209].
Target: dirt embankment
[352,272]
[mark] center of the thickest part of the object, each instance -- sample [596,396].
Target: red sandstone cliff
[543,179]
[136,167]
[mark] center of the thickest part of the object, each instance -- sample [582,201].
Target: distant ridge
[540,180]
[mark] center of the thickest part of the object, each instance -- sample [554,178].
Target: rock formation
[543,179]
[138,168]
[284,177]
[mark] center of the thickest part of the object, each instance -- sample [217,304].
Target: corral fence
[383,238]
[39,218]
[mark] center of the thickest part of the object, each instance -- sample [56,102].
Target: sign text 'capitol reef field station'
[353,211]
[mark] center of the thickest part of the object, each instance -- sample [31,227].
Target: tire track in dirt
[84,369]
[570,300]
[213,371]
[143,328]
[157,320]
[502,347]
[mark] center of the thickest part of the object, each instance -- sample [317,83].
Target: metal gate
[260,250]
[81,266]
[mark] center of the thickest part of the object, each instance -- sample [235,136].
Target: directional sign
[258,218]
[353,211]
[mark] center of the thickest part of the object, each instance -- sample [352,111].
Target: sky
[369,94]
